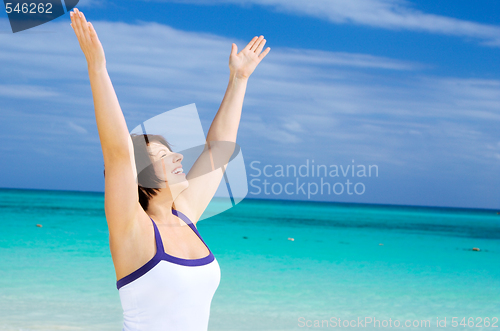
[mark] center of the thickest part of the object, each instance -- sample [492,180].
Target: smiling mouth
[178,171]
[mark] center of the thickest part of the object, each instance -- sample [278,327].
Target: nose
[178,157]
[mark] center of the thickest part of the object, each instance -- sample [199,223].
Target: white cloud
[386,14]
[77,128]
[266,130]
[324,103]
[23,91]
[325,58]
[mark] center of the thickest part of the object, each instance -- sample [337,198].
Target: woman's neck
[160,208]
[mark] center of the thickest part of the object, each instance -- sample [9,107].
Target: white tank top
[169,293]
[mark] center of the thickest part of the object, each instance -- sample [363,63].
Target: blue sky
[412,87]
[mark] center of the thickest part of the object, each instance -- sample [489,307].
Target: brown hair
[146,178]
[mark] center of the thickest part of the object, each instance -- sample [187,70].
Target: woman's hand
[89,43]
[243,64]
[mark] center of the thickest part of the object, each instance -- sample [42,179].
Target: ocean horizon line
[366,204]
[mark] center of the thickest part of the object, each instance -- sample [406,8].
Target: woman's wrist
[96,67]
[235,75]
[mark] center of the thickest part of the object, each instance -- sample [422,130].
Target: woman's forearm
[224,127]
[111,125]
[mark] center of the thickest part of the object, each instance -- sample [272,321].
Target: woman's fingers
[80,30]
[76,26]
[247,47]
[260,46]
[93,34]
[244,63]
[82,22]
[263,54]
[256,43]
[89,43]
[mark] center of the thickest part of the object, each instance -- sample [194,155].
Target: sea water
[284,265]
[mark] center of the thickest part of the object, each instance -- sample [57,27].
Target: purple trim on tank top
[162,256]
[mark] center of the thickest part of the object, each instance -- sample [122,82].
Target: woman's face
[167,165]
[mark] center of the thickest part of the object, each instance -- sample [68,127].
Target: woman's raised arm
[121,196]
[223,130]
[224,127]
[111,125]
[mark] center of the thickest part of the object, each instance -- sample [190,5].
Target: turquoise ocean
[346,263]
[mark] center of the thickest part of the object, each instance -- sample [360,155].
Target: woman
[166,274]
